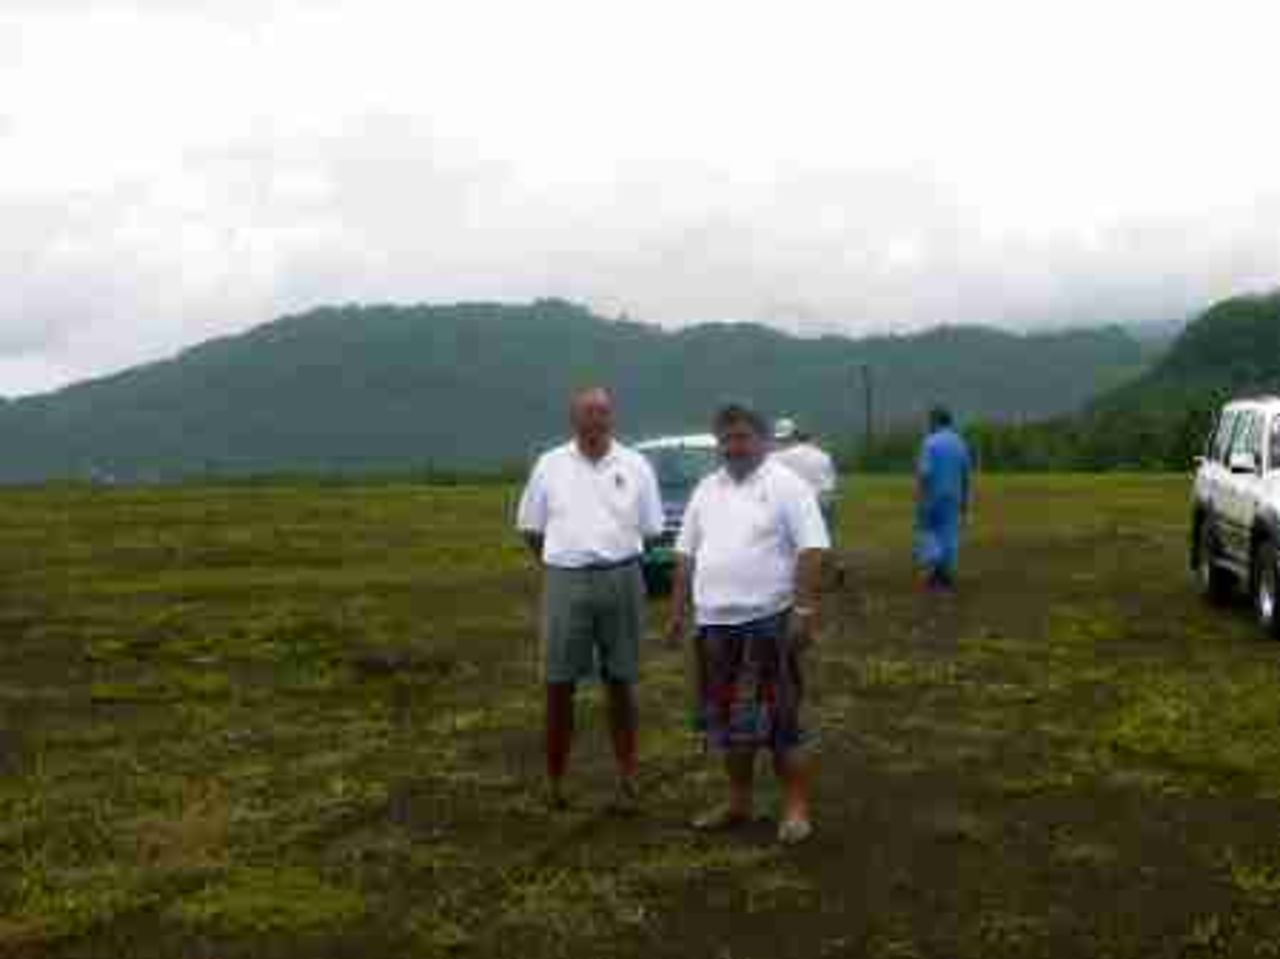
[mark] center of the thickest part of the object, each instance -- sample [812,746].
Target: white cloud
[172,170]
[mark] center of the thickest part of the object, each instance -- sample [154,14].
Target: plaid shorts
[750,686]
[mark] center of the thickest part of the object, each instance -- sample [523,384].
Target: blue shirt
[944,467]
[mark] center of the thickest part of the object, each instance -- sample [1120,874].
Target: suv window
[1222,437]
[1248,435]
[679,468]
[1273,459]
[1256,435]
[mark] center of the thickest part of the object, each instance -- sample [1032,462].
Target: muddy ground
[305,722]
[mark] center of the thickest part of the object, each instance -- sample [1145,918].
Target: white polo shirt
[811,464]
[744,539]
[591,512]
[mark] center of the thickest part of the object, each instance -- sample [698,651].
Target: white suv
[1235,526]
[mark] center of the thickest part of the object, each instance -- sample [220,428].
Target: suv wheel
[1266,588]
[1214,582]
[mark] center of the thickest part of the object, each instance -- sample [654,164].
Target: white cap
[784,429]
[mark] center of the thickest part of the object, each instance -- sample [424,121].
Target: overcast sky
[174,169]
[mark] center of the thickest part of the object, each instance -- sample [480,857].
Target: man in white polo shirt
[586,512]
[796,450]
[750,551]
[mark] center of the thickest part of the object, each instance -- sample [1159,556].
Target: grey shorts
[592,622]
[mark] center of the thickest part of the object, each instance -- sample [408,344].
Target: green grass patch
[1219,728]
[253,901]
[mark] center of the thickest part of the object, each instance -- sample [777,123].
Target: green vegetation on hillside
[1158,421]
[387,389]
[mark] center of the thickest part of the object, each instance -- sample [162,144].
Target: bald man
[586,513]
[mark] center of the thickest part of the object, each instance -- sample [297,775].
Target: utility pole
[868,434]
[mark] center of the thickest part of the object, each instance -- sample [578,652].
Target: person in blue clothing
[943,488]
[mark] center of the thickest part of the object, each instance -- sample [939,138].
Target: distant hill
[1231,349]
[479,385]
[1156,337]
[1157,420]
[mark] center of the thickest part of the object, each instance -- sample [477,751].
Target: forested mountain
[1156,336]
[1160,418]
[479,385]
[1233,348]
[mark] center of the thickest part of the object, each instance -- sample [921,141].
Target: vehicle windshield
[680,467]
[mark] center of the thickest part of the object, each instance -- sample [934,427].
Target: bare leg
[559,736]
[741,767]
[623,726]
[796,774]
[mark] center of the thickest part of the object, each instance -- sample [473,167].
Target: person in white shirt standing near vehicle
[586,512]
[750,553]
[797,451]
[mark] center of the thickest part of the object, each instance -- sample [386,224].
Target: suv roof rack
[1258,398]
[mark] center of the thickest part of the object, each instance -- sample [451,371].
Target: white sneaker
[792,832]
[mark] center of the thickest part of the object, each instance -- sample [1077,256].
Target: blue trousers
[938,536]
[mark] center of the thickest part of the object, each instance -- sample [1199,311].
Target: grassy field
[306,722]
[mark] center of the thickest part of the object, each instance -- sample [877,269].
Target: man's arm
[535,542]
[809,578]
[809,534]
[830,476]
[678,625]
[531,513]
[808,592]
[653,517]
[682,579]
[922,475]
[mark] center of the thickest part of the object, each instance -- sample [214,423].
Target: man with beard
[750,556]
[797,450]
